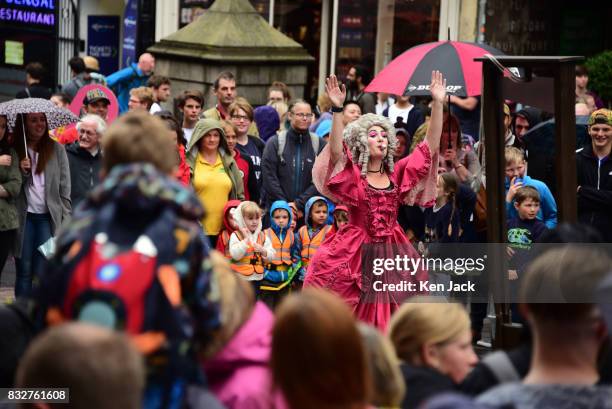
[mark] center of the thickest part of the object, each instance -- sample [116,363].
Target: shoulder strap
[315,140]
[499,363]
[282,141]
[28,92]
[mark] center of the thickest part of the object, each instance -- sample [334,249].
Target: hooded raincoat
[202,128]
[214,208]
[307,229]
[239,374]
[281,233]
[224,237]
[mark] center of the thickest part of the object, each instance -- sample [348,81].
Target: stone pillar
[231,36]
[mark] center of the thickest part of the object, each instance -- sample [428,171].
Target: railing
[67,38]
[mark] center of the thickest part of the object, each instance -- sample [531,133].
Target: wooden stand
[562,69]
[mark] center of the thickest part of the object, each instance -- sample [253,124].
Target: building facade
[339,33]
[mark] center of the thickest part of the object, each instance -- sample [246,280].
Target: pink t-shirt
[35,193]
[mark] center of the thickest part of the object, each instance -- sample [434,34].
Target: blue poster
[130,30]
[103,42]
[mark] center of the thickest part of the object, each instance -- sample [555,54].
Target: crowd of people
[225,248]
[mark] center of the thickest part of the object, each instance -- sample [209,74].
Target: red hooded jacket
[183,174]
[225,234]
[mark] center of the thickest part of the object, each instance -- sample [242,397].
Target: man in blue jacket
[134,76]
[287,175]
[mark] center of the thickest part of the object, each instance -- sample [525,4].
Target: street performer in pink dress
[356,169]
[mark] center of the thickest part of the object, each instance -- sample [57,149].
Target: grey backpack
[282,141]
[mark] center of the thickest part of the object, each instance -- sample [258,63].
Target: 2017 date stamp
[34,395]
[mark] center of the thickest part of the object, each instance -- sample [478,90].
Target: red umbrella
[410,73]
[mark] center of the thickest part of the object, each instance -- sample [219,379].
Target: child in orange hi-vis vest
[310,236]
[229,225]
[248,247]
[280,269]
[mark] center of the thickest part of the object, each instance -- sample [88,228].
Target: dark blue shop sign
[28,13]
[103,41]
[130,32]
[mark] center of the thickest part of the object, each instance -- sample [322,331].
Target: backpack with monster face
[140,288]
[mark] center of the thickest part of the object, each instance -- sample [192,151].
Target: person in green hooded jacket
[215,176]
[10,186]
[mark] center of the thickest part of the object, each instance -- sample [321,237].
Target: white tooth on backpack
[145,246]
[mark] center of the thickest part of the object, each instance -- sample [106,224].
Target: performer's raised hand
[438,93]
[437,86]
[335,91]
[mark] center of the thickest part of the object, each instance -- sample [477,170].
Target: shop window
[416,22]
[356,34]
[301,21]
[189,10]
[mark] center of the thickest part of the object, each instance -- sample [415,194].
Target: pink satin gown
[372,231]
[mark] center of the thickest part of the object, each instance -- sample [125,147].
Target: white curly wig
[356,138]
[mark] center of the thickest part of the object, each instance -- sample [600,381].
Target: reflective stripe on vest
[311,245]
[252,261]
[282,250]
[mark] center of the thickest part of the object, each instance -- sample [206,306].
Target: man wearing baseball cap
[95,102]
[594,167]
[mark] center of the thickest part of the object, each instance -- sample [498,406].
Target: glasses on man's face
[87,132]
[302,115]
[240,117]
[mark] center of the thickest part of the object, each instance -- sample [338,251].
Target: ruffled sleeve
[340,181]
[416,175]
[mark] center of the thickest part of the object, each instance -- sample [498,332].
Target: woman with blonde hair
[324,105]
[282,109]
[236,357]
[434,342]
[387,382]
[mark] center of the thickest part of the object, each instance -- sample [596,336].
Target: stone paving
[7,281]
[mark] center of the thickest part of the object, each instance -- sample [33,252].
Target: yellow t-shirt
[213,186]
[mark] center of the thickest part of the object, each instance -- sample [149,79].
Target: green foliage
[600,75]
